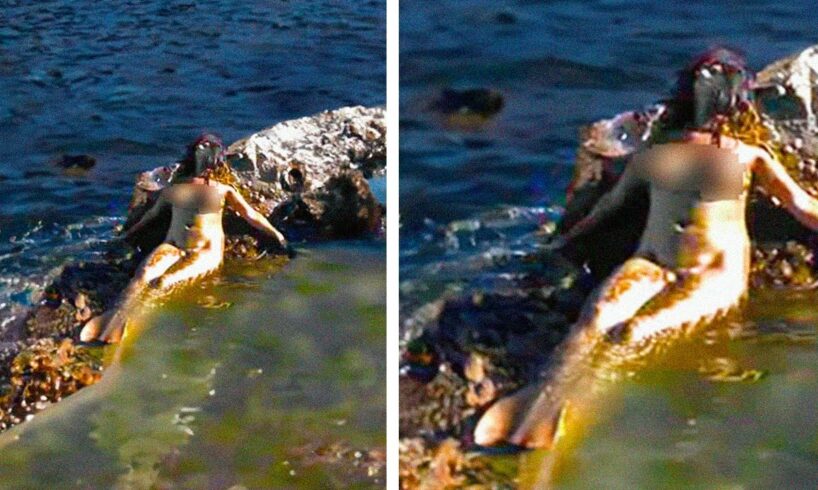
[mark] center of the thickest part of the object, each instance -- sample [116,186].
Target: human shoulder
[223,188]
[657,152]
[751,153]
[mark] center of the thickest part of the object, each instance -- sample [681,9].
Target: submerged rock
[354,464]
[43,373]
[467,109]
[76,163]
[480,101]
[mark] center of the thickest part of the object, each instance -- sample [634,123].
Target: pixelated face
[717,88]
[208,153]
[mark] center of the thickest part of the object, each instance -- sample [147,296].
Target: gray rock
[304,153]
[308,173]
[792,82]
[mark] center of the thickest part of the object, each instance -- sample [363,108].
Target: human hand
[282,242]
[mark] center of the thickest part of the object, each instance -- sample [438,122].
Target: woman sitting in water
[194,245]
[693,259]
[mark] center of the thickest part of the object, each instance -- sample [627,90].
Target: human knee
[179,276]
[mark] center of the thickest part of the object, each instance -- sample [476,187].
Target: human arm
[773,178]
[253,217]
[147,217]
[608,204]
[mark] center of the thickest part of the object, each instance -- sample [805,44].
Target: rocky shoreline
[308,175]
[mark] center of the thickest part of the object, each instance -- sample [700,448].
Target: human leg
[692,300]
[529,416]
[187,266]
[154,265]
[621,295]
[194,264]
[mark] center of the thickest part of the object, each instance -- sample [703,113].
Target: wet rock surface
[308,175]
[343,207]
[466,349]
[446,466]
[42,373]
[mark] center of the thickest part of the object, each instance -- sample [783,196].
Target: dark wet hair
[187,165]
[681,102]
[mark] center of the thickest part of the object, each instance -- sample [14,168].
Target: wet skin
[691,266]
[193,247]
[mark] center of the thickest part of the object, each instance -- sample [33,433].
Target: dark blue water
[132,82]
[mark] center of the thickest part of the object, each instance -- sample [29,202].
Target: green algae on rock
[45,372]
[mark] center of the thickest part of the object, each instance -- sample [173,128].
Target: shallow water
[472,199]
[264,376]
[711,414]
